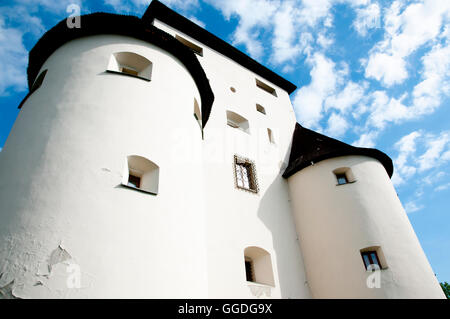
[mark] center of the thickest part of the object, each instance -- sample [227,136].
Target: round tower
[96,158]
[355,236]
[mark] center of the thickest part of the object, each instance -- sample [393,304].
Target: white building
[153,160]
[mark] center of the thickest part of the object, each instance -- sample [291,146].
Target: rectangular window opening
[197,50]
[371,258]
[341,179]
[245,175]
[265,87]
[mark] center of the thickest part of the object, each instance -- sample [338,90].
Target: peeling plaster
[6,292]
[57,256]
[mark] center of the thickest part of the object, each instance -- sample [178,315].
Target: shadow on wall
[275,213]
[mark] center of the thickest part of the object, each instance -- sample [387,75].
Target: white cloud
[197,21]
[406,147]
[442,187]
[13,60]
[405,32]
[284,46]
[345,99]
[308,101]
[436,80]
[337,125]
[366,139]
[436,145]
[408,163]
[367,18]
[254,16]
[412,207]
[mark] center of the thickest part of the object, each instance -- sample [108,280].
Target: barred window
[245,174]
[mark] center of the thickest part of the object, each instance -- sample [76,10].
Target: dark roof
[159,11]
[106,23]
[311,147]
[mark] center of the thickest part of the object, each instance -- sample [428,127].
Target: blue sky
[371,73]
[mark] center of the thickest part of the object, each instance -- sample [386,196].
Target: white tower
[147,161]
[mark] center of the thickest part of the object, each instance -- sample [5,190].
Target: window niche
[373,258]
[265,87]
[131,64]
[141,174]
[344,175]
[260,109]
[197,50]
[237,121]
[258,266]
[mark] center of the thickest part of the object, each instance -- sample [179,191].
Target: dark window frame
[251,176]
[369,254]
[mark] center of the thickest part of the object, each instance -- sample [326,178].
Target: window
[197,50]
[270,135]
[236,121]
[265,87]
[373,258]
[245,174]
[258,266]
[370,258]
[344,175]
[341,178]
[260,109]
[142,174]
[134,181]
[132,64]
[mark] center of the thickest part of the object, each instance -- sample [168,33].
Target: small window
[245,174]
[130,63]
[344,175]
[258,266]
[270,135]
[341,179]
[371,258]
[260,109]
[134,181]
[197,50]
[142,174]
[236,121]
[265,87]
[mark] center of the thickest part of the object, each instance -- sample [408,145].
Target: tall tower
[355,236]
[153,160]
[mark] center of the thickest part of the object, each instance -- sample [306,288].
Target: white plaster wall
[237,219]
[61,170]
[335,222]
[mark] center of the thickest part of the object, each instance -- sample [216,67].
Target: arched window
[236,121]
[141,173]
[132,64]
[258,266]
